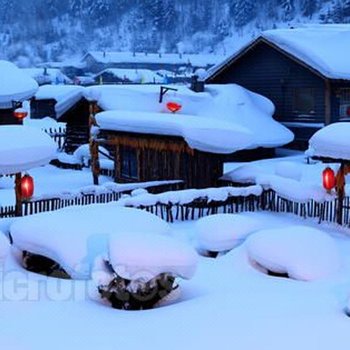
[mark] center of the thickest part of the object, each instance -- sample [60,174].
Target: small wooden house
[305,72]
[153,146]
[64,103]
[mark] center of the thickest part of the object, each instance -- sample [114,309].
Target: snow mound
[303,253]
[74,236]
[331,141]
[82,153]
[222,232]
[289,170]
[23,148]
[141,256]
[15,85]
[4,247]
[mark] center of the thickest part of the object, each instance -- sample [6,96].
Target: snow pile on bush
[4,247]
[223,232]
[142,256]
[141,270]
[302,252]
[74,236]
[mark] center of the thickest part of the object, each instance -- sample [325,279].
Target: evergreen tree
[288,8]
[308,7]
[243,12]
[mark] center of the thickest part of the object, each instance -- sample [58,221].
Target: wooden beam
[328,103]
[18,210]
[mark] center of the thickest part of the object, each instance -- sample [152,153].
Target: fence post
[18,210]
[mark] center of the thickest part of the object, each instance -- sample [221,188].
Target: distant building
[305,72]
[97,61]
[47,76]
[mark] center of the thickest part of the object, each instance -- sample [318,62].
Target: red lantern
[173,106]
[328,178]
[20,113]
[27,187]
[348,112]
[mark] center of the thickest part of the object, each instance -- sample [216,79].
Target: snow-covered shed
[15,87]
[123,75]
[47,75]
[151,143]
[64,103]
[303,71]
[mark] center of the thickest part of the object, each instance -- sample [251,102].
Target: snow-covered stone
[223,232]
[23,148]
[141,256]
[302,252]
[74,236]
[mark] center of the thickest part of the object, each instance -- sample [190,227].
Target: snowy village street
[174,175]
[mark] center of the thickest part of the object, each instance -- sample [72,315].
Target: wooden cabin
[302,71]
[145,157]
[7,117]
[66,104]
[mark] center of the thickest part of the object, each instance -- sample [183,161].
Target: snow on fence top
[218,111]
[331,142]
[23,148]
[74,236]
[188,196]
[66,96]
[15,85]
[323,47]
[201,60]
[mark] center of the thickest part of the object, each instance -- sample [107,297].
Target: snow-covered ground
[227,304]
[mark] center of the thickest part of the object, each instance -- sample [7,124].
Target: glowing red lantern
[27,187]
[173,106]
[20,113]
[328,177]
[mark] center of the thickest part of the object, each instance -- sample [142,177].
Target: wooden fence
[268,201]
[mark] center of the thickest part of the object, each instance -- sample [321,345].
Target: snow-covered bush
[299,252]
[82,154]
[223,232]
[141,270]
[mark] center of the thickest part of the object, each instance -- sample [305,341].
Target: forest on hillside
[40,30]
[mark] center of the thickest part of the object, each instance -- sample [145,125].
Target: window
[344,103]
[129,165]
[304,101]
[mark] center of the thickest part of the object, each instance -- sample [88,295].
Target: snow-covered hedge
[301,252]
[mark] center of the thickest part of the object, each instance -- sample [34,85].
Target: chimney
[197,85]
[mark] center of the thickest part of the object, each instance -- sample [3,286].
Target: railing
[58,135]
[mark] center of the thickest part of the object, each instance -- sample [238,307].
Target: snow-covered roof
[15,85]
[198,60]
[134,75]
[23,148]
[47,75]
[331,141]
[66,96]
[325,48]
[223,119]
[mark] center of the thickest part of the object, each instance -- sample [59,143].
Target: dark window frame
[298,109]
[129,164]
[344,102]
